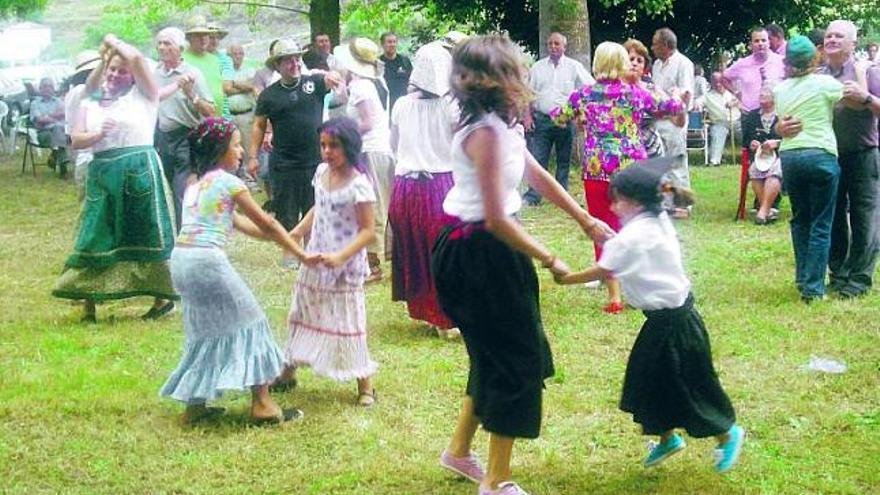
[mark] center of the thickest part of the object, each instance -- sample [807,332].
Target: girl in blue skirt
[229,344]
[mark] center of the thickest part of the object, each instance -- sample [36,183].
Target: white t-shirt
[646,257]
[465,200]
[424,129]
[135,118]
[379,136]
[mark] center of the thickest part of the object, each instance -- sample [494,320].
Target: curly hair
[208,142]
[346,131]
[634,45]
[487,77]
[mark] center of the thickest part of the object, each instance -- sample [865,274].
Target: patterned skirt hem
[340,358]
[209,366]
[111,296]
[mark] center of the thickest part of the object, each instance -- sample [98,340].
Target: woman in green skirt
[126,232]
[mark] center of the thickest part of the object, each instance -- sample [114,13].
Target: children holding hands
[670,381]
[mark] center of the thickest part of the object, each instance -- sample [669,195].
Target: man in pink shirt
[745,78]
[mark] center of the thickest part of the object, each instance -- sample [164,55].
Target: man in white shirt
[723,110]
[674,74]
[552,79]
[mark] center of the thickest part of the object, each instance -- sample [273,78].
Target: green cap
[799,52]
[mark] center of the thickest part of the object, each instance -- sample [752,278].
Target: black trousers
[292,194]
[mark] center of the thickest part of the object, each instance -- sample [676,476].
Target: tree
[21,8]
[571,18]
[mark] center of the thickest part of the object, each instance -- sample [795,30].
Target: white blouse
[135,117]
[378,138]
[424,128]
[465,199]
[646,257]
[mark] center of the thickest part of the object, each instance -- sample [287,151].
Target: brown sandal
[366,399]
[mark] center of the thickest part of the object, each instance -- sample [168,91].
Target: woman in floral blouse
[610,111]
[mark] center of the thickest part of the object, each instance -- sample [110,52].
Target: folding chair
[26,129]
[698,134]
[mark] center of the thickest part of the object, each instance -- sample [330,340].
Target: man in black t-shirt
[294,106]
[397,69]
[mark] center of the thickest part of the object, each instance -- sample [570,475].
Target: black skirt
[670,381]
[491,293]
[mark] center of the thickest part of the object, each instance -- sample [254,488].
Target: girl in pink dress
[328,320]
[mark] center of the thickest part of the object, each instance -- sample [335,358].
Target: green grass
[79,410]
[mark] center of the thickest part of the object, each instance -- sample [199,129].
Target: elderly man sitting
[47,116]
[723,110]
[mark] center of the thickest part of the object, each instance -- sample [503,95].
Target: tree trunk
[571,18]
[324,18]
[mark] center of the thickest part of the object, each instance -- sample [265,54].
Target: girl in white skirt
[229,344]
[328,321]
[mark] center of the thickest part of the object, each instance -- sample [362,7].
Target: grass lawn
[80,413]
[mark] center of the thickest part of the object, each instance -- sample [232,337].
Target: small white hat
[432,66]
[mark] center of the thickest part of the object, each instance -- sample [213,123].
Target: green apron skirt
[126,230]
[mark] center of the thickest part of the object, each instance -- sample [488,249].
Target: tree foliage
[21,8]
[414,23]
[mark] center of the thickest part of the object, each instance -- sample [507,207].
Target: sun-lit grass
[79,410]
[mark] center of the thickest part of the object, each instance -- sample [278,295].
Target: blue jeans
[541,142]
[811,177]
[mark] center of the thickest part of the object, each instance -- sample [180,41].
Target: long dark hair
[346,131]
[487,77]
[208,142]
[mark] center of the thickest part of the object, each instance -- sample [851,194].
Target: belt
[249,110]
[421,175]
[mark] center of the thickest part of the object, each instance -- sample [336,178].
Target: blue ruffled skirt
[229,344]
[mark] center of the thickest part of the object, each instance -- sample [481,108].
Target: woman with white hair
[422,125]
[184,99]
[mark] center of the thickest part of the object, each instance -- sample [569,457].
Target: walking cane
[743,174]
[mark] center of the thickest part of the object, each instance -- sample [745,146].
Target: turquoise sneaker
[727,454]
[659,452]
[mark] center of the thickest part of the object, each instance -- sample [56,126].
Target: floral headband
[216,129]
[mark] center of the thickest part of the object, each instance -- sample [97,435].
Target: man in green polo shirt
[198,34]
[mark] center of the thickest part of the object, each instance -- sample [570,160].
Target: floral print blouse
[611,112]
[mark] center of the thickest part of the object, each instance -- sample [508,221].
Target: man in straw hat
[294,106]
[199,35]
[227,71]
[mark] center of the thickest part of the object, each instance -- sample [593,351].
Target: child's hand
[598,231]
[563,279]
[559,268]
[311,259]
[332,260]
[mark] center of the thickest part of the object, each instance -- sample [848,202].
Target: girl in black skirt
[670,381]
[482,262]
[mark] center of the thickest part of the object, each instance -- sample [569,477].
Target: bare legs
[766,191]
[500,447]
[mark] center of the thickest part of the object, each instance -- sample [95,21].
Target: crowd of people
[371,157]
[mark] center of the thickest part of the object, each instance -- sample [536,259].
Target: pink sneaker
[504,488]
[468,467]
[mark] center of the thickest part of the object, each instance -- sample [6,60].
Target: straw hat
[217,29]
[87,60]
[452,39]
[284,47]
[360,56]
[432,66]
[197,24]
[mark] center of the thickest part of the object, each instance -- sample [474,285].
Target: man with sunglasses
[294,105]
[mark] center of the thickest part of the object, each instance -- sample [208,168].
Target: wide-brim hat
[360,56]
[197,24]
[87,60]
[432,66]
[452,39]
[284,47]
[799,52]
[217,29]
